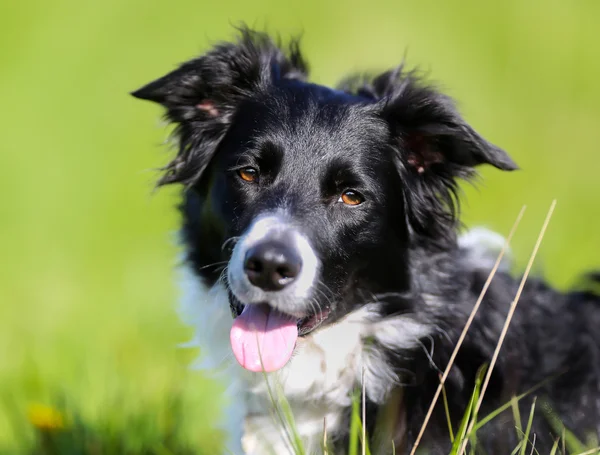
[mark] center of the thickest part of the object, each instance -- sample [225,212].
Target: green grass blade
[364,414]
[514,404]
[462,428]
[594,451]
[518,448]
[447,412]
[570,441]
[467,416]
[354,424]
[289,417]
[555,447]
[528,430]
[476,392]
[325,442]
[356,428]
[284,414]
[388,419]
[508,404]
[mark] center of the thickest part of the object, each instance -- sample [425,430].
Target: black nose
[271,266]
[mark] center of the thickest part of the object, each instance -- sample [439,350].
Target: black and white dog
[320,229]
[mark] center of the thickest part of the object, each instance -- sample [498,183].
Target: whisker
[314,307]
[228,241]
[214,264]
[319,311]
[223,276]
[327,297]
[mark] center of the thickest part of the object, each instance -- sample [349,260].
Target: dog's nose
[271,266]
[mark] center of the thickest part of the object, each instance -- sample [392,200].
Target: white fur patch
[207,310]
[318,381]
[483,246]
[293,298]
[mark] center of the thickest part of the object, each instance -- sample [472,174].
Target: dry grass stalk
[511,312]
[466,328]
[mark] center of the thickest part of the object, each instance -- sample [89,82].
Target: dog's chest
[317,383]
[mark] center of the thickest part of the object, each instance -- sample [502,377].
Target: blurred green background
[87,296]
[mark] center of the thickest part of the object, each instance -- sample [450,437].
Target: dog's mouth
[263,338]
[310,323]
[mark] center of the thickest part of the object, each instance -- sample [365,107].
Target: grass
[87,296]
[60,431]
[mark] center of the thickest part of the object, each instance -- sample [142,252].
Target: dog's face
[312,197]
[302,182]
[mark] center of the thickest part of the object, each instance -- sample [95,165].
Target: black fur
[402,145]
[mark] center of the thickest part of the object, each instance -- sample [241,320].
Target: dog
[323,253]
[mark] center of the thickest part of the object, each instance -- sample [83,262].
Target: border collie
[322,246]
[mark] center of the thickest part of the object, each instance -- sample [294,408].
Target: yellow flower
[45,417]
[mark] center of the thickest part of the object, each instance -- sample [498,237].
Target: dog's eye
[351,197]
[248,174]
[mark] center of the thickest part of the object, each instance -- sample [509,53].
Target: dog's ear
[434,146]
[429,129]
[202,95]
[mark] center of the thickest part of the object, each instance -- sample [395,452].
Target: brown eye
[351,197]
[248,174]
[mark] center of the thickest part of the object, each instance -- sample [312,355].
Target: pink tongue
[261,333]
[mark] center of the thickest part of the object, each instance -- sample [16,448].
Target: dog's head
[313,197]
